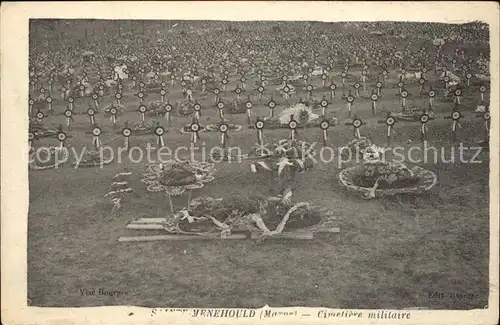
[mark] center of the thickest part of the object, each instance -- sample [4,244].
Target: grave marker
[356,124]
[249,106]
[389,121]
[159,131]
[127,132]
[324,125]
[259,125]
[142,110]
[91,114]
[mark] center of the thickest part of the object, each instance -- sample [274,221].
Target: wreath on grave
[386,178]
[256,215]
[236,108]
[157,108]
[186,108]
[142,128]
[375,177]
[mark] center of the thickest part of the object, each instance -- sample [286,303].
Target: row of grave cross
[259,125]
[350,98]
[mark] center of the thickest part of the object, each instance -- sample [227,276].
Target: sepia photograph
[229,165]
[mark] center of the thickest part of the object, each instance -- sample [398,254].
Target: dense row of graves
[299,79]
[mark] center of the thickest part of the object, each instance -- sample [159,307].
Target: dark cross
[309,90]
[293,124]
[223,128]
[333,87]
[248,106]
[458,96]
[260,90]
[216,93]
[224,84]
[272,105]
[31,138]
[400,86]
[159,131]
[91,113]
[363,78]
[374,98]
[31,102]
[197,110]
[61,136]
[95,97]
[163,92]
[96,132]
[113,111]
[49,102]
[389,121]
[324,105]
[142,110]
[118,97]
[379,87]
[168,109]
[324,125]
[69,117]
[404,95]
[238,92]
[324,77]
[486,116]
[220,106]
[259,125]
[344,76]
[455,117]
[194,129]
[350,101]
[356,124]
[141,96]
[424,119]
[432,94]
[482,90]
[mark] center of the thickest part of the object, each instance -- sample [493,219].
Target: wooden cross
[91,113]
[249,106]
[324,125]
[159,131]
[142,110]
[356,124]
[455,117]
[259,125]
[292,125]
[350,101]
[389,121]
[272,105]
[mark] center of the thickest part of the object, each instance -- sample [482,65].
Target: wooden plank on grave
[148,220]
[299,235]
[179,237]
[150,226]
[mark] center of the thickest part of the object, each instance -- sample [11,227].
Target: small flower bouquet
[118,108]
[287,157]
[230,126]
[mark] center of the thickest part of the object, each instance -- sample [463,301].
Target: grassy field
[387,254]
